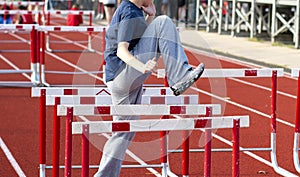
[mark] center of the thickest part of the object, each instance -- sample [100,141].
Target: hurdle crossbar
[223,73]
[24,3]
[13,12]
[160,124]
[106,99]
[27,27]
[71,28]
[122,110]
[93,91]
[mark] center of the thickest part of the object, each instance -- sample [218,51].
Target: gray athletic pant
[160,37]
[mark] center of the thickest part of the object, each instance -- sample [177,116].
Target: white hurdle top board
[159,124]
[125,110]
[223,73]
[295,72]
[74,12]
[86,91]
[106,99]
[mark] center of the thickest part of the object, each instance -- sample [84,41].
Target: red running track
[19,128]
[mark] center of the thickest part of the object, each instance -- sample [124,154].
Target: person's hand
[151,65]
[149,10]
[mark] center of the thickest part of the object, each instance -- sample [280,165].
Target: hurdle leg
[207,147]
[37,50]
[297,130]
[163,150]
[56,139]
[296,152]
[85,151]
[90,48]
[273,123]
[42,60]
[47,42]
[185,153]
[68,148]
[42,133]
[33,56]
[236,148]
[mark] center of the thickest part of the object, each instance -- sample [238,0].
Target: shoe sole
[179,91]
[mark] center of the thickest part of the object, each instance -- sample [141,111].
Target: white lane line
[74,66]
[242,106]
[20,38]
[263,87]
[13,66]
[11,159]
[258,158]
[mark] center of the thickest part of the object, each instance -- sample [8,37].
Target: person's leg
[109,12]
[161,37]
[115,148]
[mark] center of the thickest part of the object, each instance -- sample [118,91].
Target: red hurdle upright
[207,148]
[42,133]
[68,143]
[56,140]
[297,128]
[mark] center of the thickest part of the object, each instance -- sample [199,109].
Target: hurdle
[24,3]
[34,54]
[126,126]
[100,96]
[13,3]
[16,28]
[273,73]
[45,29]
[67,12]
[296,73]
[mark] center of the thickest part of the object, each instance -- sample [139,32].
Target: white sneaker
[182,86]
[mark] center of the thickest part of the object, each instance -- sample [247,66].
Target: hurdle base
[42,170]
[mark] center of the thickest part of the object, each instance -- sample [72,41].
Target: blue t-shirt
[128,25]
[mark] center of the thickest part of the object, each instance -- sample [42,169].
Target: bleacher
[272,17]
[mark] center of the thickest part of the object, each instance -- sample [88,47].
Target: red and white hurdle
[34,51]
[254,73]
[14,3]
[24,3]
[89,29]
[37,46]
[67,12]
[162,125]
[83,95]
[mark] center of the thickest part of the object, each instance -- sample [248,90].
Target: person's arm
[128,58]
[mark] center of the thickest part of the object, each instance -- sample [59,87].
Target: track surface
[19,127]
